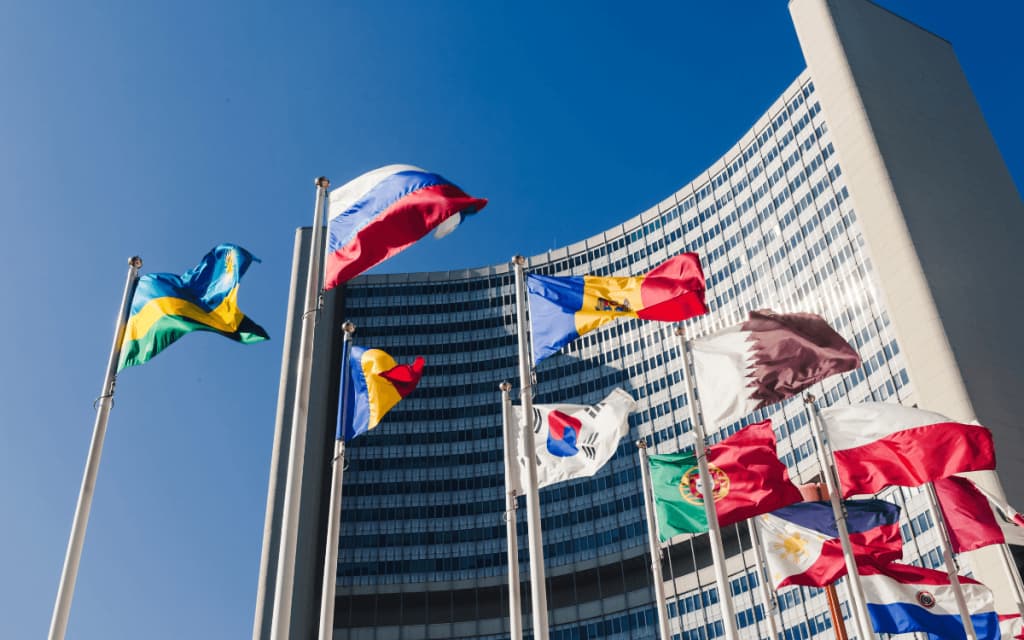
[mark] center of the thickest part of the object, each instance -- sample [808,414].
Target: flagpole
[330,582]
[538,595]
[652,542]
[860,608]
[515,606]
[770,606]
[68,576]
[707,490]
[284,584]
[947,554]
[834,608]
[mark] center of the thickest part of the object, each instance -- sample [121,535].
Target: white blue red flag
[575,441]
[905,599]
[802,544]
[880,444]
[382,212]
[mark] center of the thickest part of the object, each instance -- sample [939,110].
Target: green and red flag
[749,479]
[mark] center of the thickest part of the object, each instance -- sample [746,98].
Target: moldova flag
[564,308]
[382,212]
[375,383]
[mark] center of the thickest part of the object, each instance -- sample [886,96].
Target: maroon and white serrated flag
[770,357]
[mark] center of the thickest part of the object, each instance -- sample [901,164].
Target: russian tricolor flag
[903,599]
[382,212]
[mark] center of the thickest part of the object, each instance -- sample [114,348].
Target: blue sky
[163,129]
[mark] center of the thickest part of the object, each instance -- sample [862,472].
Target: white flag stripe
[723,365]
[601,429]
[851,426]
[342,198]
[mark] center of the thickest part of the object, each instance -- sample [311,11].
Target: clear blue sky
[163,129]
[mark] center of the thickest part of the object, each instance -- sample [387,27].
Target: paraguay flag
[802,544]
[382,212]
[903,598]
[564,308]
[375,384]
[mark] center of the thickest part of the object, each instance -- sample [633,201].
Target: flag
[166,306]
[375,385]
[1011,522]
[564,308]
[802,546]
[749,480]
[383,211]
[1009,626]
[904,599]
[877,445]
[770,357]
[575,441]
[968,515]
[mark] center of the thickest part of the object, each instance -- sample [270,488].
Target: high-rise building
[871,192]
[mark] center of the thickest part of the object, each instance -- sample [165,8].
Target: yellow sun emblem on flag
[793,547]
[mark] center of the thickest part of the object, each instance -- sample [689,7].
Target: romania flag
[564,308]
[166,306]
[375,385]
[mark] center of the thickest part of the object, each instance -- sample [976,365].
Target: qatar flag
[770,357]
[878,445]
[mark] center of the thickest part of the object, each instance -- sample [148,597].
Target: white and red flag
[766,359]
[878,445]
[574,441]
[1009,520]
[968,515]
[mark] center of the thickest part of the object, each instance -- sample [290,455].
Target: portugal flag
[749,480]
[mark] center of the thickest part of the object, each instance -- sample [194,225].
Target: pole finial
[348,327]
[809,398]
[680,331]
[641,444]
[505,386]
[322,182]
[518,259]
[135,261]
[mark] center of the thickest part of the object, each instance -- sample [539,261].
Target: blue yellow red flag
[564,308]
[374,386]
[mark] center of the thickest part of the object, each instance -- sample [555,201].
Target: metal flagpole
[947,554]
[281,621]
[515,606]
[538,595]
[330,582]
[767,601]
[834,608]
[707,489]
[860,608]
[66,590]
[1013,575]
[652,542]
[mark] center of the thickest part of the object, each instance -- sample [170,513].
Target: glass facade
[422,551]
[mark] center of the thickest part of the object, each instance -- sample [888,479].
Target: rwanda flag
[167,306]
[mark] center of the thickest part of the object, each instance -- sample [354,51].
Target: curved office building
[779,222]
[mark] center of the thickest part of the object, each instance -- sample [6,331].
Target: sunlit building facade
[780,222]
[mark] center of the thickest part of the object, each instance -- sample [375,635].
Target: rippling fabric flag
[575,441]
[563,308]
[166,306]
[766,359]
[968,515]
[882,444]
[382,212]
[748,476]
[801,541]
[375,385]
[903,598]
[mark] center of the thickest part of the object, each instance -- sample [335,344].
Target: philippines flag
[878,445]
[382,212]
[802,544]
[904,599]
